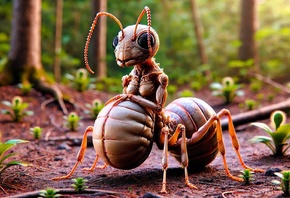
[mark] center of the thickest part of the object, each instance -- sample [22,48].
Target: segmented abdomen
[193,113]
[123,134]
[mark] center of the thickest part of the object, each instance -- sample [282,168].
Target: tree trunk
[57,46]
[248,27]
[100,40]
[199,36]
[24,59]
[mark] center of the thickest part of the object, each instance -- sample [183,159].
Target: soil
[55,154]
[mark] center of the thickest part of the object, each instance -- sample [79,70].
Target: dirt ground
[55,154]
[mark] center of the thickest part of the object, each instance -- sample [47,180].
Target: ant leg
[164,138]
[184,155]
[234,138]
[80,155]
[221,147]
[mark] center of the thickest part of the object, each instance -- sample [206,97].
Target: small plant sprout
[250,104]
[36,132]
[247,176]
[72,121]
[49,193]
[228,89]
[17,109]
[79,184]
[284,183]
[279,135]
[94,108]
[80,81]
[25,88]
[4,147]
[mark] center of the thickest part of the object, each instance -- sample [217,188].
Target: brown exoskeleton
[125,129]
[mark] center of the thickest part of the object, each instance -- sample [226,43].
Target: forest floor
[55,154]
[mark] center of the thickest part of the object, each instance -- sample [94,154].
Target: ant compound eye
[115,42]
[143,42]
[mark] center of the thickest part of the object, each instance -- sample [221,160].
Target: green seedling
[247,176]
[79,184]
[49,193]
[36,132]
[94,108]
[277,141]
[72,121]
[17,109]
[25,88]
[4,147]
[284,183]
[250,104]
[80,81]
[228,89]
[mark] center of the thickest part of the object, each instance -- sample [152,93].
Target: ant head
[133,45]
[138,45]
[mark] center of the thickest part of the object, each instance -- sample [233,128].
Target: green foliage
[227,89]
[243,66]
[109,85]
[16,109]
[4,147]
[251,104]
[79,184]
[72,121]
[94,108]
[80,81]
[186,93]
[171,89]
[256,85]
[177,53]
[277,141]
[25,88]
[36,132]
[247,176]
[284,183]
[49,193]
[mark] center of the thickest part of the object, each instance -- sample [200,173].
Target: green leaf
[282,134]
[5,157]
[280,175]
[216,85]
[4,147]
[258,139]
[276,182]
[7,103]
[264,139]
[10,143]
[13,163]
[262,126]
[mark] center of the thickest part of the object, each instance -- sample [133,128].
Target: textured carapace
[133,45]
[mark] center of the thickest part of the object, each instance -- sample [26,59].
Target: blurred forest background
[213,38]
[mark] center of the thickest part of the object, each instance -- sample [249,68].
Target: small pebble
[64,146]
[271,171]
[58,158]
[150,195]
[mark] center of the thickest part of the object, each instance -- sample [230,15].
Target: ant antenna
[147,10]
[91,33]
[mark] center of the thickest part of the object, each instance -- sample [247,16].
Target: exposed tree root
[258,114]
[53,89]
[272,83]
[68,191]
